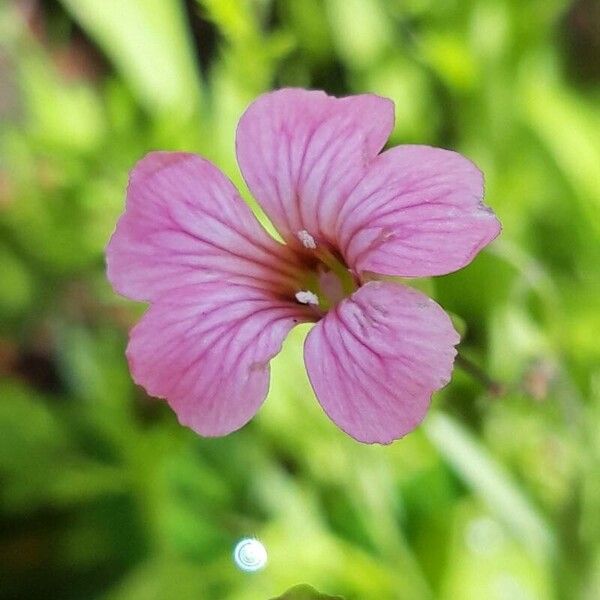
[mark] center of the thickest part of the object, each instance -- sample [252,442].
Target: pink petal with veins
[185,223]
[302,152]
[206,349]
[376,358]
[417,212]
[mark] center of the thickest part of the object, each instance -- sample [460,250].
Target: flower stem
[494,388]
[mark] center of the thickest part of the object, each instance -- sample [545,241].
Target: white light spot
[308,241]
[484,536]
[306,297]
[250,555]
[508,587]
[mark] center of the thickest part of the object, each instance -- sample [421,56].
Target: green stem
[493,387]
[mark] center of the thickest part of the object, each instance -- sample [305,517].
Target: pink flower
[223,294]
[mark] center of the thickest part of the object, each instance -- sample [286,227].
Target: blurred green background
[104,495]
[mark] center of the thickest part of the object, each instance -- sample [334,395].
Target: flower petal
[301,152]
[185,223]
[377,357]
[206,349]
[418,212]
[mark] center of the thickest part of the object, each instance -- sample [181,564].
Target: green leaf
[360,30]
[305,592]
[486,477]
[149,43]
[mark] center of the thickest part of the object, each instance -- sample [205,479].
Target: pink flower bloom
[223,294]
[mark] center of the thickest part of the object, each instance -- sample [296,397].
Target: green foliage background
[104,495]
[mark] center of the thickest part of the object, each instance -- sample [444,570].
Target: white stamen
[307,297]
[308,241]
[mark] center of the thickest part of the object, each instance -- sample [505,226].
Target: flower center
[328,279]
